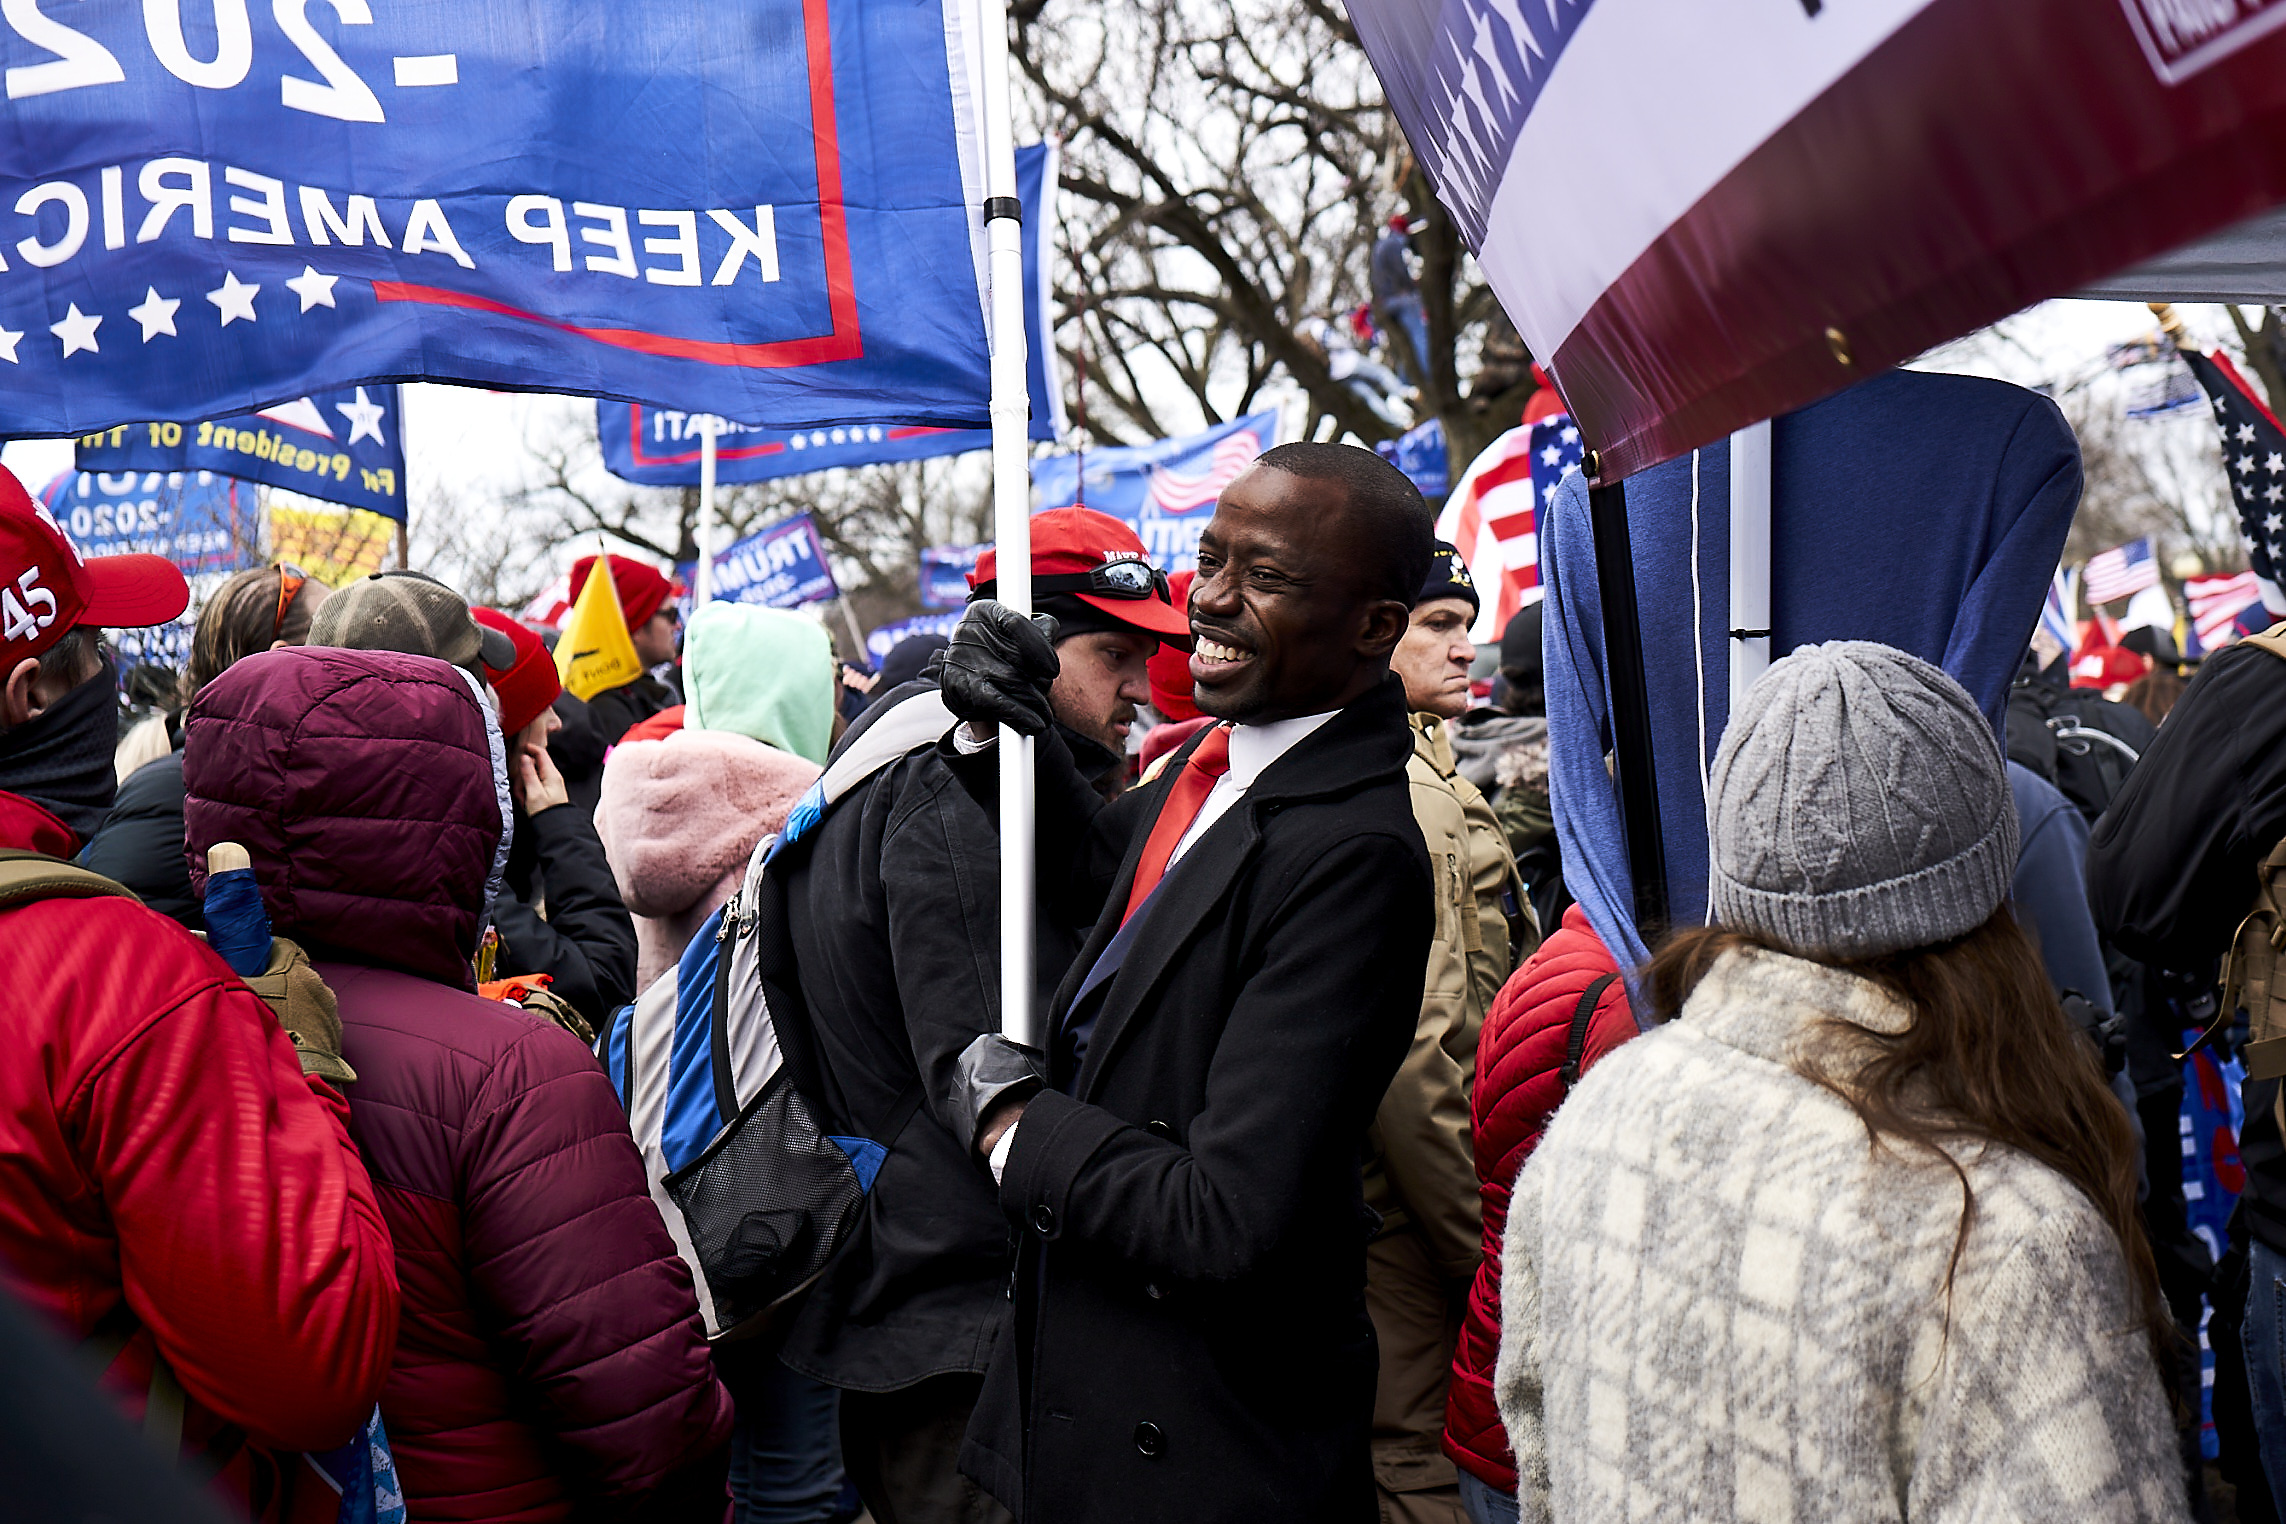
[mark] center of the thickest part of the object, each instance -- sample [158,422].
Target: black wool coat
[1190,1339]
[894,914]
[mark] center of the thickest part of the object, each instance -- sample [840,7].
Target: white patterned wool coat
[1721,1302]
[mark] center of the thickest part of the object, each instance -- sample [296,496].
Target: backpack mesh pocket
[768,1203]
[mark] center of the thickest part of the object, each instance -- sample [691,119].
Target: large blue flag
[1166,490]
[659,446]
[344,447]
[768,209]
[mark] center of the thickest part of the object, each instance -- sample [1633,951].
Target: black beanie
[1448,578]
[1520,644]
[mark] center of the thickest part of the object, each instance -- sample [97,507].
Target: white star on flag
[156,313]
[234,298]
[9,339]
[314,289]
[2245,464]
[2246,433]
[1569,435]
[2275,464]
[2274,523]
[77,330]
[2276,494]
[1551,455]
[364,417]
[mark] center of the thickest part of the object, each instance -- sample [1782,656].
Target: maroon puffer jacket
[1519,1085]
[550,1355]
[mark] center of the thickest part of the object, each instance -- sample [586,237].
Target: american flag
[2217,604]
[2121,572]
[2254,458]
[1494,515]
[1180,492]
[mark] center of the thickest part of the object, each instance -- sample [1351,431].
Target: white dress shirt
[1252,749]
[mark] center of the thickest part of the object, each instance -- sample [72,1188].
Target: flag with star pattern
[2254,458]
[1494,515]
[340,447]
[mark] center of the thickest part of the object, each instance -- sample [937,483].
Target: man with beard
[893,907]
[1190,1336]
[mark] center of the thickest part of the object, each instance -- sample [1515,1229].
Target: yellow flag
[595,651]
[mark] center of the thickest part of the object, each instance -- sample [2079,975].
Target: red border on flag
[844,342]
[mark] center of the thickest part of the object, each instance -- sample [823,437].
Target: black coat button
[1150,1441]
[1154,1290]
[1043,1220]
[1160,1130]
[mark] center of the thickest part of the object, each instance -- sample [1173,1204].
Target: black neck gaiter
[62,761]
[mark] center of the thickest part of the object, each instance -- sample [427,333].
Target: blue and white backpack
[716,1067]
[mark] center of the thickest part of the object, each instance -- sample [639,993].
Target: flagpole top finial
[2170,321]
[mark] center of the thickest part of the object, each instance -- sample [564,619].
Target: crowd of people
[1353,1178]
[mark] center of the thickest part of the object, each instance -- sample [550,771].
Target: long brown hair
[244,616]
[1990,1056]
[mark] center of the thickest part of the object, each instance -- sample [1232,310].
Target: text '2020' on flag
[595,652]
[1703,215]
[660,446]
[767,209]
[344,447]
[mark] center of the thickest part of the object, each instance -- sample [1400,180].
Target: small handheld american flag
[2120,572]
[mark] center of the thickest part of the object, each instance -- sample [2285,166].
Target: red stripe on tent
[1982,158]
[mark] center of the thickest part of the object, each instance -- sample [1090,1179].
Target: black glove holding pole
[999,667]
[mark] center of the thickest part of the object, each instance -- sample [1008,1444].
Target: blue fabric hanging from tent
[1923,511]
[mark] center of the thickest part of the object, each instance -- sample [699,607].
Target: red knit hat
[641,587]
[1171,666]
[529,684]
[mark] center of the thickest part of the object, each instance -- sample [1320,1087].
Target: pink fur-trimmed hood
[680,815]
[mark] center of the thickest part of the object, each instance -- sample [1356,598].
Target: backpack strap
[1575,1042]
[28,876]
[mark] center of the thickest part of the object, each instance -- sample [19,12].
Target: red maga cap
[1089,555]
[47,588]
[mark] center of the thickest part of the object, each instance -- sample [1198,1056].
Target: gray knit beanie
[1858,806]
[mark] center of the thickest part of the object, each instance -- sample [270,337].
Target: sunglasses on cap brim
[1116,579]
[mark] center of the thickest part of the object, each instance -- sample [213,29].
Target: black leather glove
[999,667]
[987,1069]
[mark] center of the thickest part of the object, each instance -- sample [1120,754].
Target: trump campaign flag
[1166,490]
[944,575]
[342,446]
[767,209]
[659,446]
[783,566]
[1494,515]
[1703,215]
[206,524]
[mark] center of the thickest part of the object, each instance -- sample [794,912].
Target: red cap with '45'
[46,587]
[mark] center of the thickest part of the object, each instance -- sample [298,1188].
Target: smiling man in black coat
[1190,1337]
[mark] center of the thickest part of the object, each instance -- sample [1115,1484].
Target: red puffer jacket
[1519,1084]
[550,1360]
[165,1166]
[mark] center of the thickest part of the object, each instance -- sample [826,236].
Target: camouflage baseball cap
[412,612]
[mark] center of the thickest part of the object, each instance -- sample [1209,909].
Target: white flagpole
[702,583]
[1749,558]
[1011,508]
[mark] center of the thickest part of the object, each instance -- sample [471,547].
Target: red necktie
[1208,762]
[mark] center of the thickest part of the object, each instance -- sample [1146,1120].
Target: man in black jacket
[1190,1339]
[893,906]
[2171,873]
